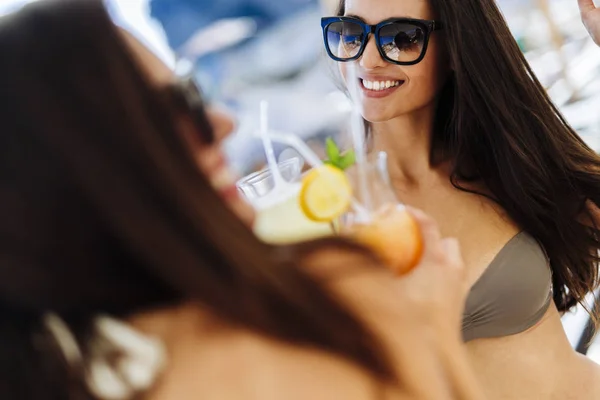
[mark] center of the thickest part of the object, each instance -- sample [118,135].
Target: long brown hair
[499,127]
[102,210]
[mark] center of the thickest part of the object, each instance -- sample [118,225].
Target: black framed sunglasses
[401,41]
[186,95]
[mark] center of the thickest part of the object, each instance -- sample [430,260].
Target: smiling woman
[474,140]
[400,41]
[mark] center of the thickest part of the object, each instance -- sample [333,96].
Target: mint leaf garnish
[336,158]
[347,160]
[332,150]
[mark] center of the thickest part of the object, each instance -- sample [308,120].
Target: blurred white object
[134,16]
[8,6]
[218,36]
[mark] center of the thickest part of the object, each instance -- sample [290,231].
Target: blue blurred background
[245,51]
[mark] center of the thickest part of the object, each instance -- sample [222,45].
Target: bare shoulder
[236,364]
[334,257]
[212,360]
[588,374]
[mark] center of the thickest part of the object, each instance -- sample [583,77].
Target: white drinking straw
[292,140]
[357,129]
[268,145]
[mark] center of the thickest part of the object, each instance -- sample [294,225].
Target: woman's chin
[377,115]
[374,118]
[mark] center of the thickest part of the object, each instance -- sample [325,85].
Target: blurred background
[245,51]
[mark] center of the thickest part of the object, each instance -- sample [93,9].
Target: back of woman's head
[104,210]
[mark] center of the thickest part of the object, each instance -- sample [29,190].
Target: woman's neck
[407,142]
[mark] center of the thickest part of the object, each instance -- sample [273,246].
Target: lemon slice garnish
[326,194]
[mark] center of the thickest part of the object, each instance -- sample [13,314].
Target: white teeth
[380,85]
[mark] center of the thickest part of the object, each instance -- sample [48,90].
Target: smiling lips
[380,85]
[379,88]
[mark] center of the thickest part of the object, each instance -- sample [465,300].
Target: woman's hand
[430,297]
[422,325]
[417,316]
[590,15]
[437,287]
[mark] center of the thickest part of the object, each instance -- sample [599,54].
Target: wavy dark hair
[500,129]
[103,210]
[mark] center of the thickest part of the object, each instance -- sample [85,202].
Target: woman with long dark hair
[127,265]
[474,140]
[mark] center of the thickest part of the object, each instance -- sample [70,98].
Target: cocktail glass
[381,222]
[375,217]
[279,218]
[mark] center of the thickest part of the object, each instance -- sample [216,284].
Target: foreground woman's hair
[103,210]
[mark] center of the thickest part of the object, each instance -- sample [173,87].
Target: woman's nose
[371,58]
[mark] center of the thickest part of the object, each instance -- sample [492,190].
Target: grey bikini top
[513,294]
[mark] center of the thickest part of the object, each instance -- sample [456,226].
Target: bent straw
[295,142]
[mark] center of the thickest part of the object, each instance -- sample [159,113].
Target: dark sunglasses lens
[402,42]
[344,39]
[189,99]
